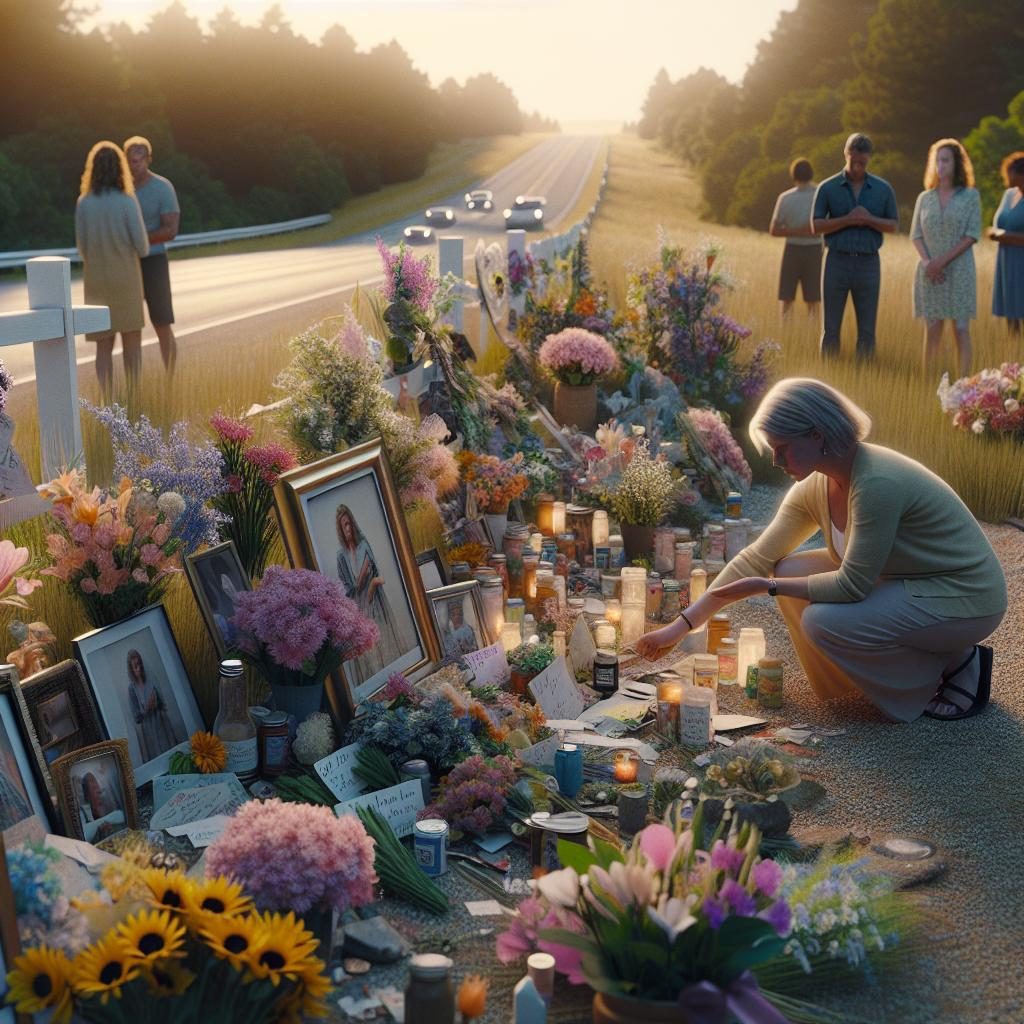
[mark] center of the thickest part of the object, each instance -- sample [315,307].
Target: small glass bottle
[429,996]
[529,580]
[728,661]
[718,627]
[655,588]
[234,726]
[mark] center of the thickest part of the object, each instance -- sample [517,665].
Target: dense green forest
[906,72]
[252,124]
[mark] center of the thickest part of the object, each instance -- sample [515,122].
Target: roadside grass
[648,190]
[588,193]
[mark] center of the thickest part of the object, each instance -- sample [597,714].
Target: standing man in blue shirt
[852,210]
[161,215]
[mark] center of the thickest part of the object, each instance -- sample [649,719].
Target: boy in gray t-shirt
[801,257]
[161,215]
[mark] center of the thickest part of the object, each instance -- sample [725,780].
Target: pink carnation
[271,460]
[576,356]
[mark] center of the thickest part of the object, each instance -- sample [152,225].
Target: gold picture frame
[61,726]
[111,806]
[353,493]
[200,568]
[467,635]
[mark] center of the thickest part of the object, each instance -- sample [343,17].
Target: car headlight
[538,214]
[487,204]
[469,199]
[506,214]
[449,215]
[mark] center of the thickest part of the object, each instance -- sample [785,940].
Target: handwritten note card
[396,804]
[489,665]
[581,646]
[202,833]
[165,786]
[336,771]
[556,691]
[190,805]
[540,754]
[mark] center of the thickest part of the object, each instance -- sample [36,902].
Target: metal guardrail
[16,259]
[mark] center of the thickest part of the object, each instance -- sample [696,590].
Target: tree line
[253,124]
[905,72]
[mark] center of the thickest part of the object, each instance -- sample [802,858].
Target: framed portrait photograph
[459,619]
[342,517]
[26,786]
[96,791]
[433,571]
[216,576]
[141,688]
[61,709]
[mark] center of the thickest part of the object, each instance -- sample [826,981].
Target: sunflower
[103,968]
[314,986]
[215,896]
[167,890]
[169,978]
[231,938]
[208,753]
[152,935]
[284,950]
[40,981]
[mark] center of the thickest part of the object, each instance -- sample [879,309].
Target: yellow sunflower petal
[152,935]
[103,969]
[39,981]
[285,947]
[168,978]
[232,938]
[167,890]
[216,896]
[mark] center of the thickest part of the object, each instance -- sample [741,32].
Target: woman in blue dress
[1008,231]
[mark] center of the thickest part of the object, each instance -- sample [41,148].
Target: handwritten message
[556,691]
[396,804]
[489,665]
[202,833]
[336,772]
[165,786]
[540,754]
[191,805]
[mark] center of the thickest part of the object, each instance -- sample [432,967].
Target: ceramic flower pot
[637,541]
[497,524]
[519,681]
[610,1009]
[576,406]
[300,701]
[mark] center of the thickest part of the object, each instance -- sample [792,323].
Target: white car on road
[480,199]
[526,212]
[418,234]
[440,216]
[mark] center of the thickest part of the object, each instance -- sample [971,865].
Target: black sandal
[978,700]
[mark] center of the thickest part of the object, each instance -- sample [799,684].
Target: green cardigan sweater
[904,523]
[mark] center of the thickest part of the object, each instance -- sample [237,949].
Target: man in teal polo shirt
[852,209]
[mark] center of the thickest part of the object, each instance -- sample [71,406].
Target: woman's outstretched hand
[659,642]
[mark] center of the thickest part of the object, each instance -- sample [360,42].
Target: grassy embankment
[648,189]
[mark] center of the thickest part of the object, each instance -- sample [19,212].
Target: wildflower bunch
[409,289]
[520,271]
[990,402]
[425,470]
[674,912]
[14,588]
[247,500]
[473,795]
[645,489]
[115,554]
[576,356]
[157,465]
[298,856]
[6,383]
[495,482]
[199,952]
[719,443]
[750,767]
[298,626]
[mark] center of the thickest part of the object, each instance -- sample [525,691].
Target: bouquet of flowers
[748,769]
[991,402]
[720,446]
[298,626]
[577,357]
[115,550]
[473,795]
[12,561]
[674,918]
[247,500]
[645,490]
[44,913]
[409,288]
[495,482]
[200,953]
[295,856]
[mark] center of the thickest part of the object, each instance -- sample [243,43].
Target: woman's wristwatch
[773,587]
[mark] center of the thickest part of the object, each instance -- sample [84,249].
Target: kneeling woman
[907,586]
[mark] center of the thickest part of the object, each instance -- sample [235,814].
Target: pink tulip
[658,843]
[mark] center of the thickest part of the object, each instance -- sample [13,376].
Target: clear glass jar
[670,604]
[664,549]
[499,563]
[683,562]
[655,590]
[429,996]
[634,585]
[492,598]
[529,591]
[545,590]
[234,726]
[513,545]
[728,661]
[719,627]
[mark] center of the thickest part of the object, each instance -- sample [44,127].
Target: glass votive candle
[634,583]
[698,584]
[511,635]
[536,542]
[670,698]
[545,509]
[751,647]
[627,765]
[558,643]
[728,662]
[604,634]
[515,609]
[634,614]
[718,628]
[613,611]
[599,531]
[557,518]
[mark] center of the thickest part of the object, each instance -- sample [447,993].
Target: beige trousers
[890,646]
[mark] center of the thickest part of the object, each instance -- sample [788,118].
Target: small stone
[355,965]
[338,975]
[374,940]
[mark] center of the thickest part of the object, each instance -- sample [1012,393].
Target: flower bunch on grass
[298,626]
[246,503]
[577,357]
[495,482]
[157,465]
[750,767]
[645,490]
[474,794]
[115,554]
[675,918]
[13,587]
[295,856]
[200,953]
[719,443]
[990,402]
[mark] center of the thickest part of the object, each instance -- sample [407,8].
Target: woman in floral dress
[946,224]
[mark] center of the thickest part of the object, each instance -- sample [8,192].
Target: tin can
[273,743]
[750,684]
[546,830]
[430,846]
[769,683]
[606,672]
[733,505]
[417,768]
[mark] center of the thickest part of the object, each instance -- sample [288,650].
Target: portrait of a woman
[100,811]
[359,573]
[153,728]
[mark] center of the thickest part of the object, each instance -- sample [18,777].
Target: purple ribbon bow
[706,1003]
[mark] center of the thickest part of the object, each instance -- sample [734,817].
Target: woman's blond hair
[963,169]
[106,167]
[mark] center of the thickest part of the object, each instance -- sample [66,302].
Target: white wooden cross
[51,324]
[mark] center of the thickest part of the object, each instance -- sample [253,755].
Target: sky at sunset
[575,60]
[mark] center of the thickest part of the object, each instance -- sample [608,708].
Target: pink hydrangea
[576,356]
[292,856]
[719,442]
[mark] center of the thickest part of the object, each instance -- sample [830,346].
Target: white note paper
[489,665]
[556,691]
[165,786]
[581,646]
[190,805]
[396,804]
[336,771]
[539,754]
[202,833]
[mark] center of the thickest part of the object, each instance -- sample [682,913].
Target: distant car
[480,199]
[441,216]
[418,234]
[526,212]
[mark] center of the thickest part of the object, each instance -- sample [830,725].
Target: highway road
[211,290]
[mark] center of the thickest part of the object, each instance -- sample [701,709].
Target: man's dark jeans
[858,275]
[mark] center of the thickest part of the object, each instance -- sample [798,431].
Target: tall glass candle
[545,507]
[511,636]
[599,534]
[698,584]
[670,697]
[750,648]
[634,583]
[632,623]
[613,611]
[536,542]
[558,518]
[727,661]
